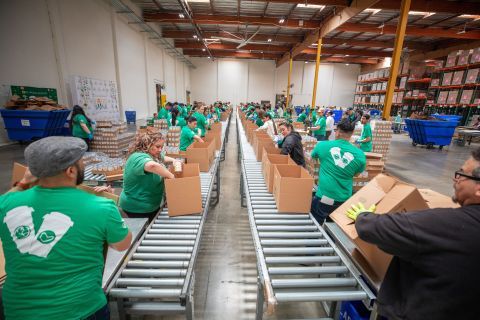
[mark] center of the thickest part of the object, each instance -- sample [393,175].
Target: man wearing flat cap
[53,236]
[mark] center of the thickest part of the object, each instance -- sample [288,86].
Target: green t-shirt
[340,161]
[181,122]
[184,112]
[164,114]
[302,117]
[218,113]
[366,132]
[201,123]
[77,130]
[142,191]
[259,122]
[53,240]
[186,138]
[322,123]
[314,118]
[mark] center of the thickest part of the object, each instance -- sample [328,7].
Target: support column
[397,52]
[317,66]
[289,78]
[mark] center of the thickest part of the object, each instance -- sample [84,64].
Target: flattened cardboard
[269,161]
[184,193]
[104,194]
[292,188]
[389,195]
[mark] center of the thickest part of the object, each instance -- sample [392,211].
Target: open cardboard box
[437,200]
[184,193]
[210,137]
[292,188]
[19,171]
[259,135]
[269,162]
[201,153]
[389,195]
[261,143]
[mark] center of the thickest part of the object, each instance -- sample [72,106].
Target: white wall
[256,80]
[57,39]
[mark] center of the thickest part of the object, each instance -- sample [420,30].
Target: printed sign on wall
[97,97]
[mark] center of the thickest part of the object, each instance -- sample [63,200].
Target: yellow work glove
[357,209]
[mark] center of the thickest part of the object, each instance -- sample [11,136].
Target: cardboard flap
[18,172]
[437,200]
[401,198]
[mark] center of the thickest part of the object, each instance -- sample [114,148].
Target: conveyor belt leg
[243,200]
[260,300]
[216,189]
[189,311]
[122,314]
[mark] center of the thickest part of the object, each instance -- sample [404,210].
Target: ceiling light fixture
[421,13]
[306,62]
[311,6]
[208,57]
[347,64]
[347,55]
[195,36]
[203,49]
[282,20]
[470,16]
[181,16]
[372,11]
[200,1]
[269,40]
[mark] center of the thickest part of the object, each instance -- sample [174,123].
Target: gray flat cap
[49,156]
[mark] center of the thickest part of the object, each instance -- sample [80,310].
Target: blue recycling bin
[353,310]
[431,132]
[27,125]
[446,117]
[131,116]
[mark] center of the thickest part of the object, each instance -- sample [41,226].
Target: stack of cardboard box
[313,166]
[382,137]
[112,139]
[374,167]
[201,153]
[309,143]
[161,124]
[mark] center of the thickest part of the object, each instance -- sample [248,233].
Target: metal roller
[148,282]
[162,249]
[321,296]
[157,264]
[161,256]
[170,236]
[294,242]
[281,216]
[145,293]
[297,250]
[287,228]
[308,270]
[167,243]
[172,231]
[283,222]
[162,273]
[302,259]
[174,226]
[290,235]
[314,283]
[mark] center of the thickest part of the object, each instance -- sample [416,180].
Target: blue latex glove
[90,136]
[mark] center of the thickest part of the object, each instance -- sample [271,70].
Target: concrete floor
[225,286]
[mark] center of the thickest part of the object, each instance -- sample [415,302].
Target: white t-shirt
[330,123]
[268,126]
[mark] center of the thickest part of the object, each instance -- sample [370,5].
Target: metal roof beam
[460,7]
[221,19]
[258,37]
[351,52]
[411,31]
[219,46]
[332,23]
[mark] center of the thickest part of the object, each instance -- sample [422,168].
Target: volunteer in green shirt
[81,125]
[143,185]
[53,237]
[340,161]
[164,113]
[365,140]
[188,135]
[201,120]
[319,128]
[301,118]
[259,121]
[314,115]
[398,123]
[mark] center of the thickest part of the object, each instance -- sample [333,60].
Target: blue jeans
[101,314]
[321,211]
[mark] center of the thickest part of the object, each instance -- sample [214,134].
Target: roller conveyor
[157,276]
[296,259]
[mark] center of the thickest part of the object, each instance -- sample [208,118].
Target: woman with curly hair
[143,185]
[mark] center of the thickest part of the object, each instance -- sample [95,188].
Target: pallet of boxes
[312,165]
[112,138]
[382,137]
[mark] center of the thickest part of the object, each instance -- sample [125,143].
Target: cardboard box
[463,57]
[269,162]
[201,153]
[466,97]
[451,59]
[452,97]
[389,195]
[261,143]
[472,76]
[104,194]
[475,57]
[437,200]
[447,79]
[458,77]
[214,138]
[442,97]
[184,193]
[435,82]
[372,155]
[292,188]
[18,172]
[259,135]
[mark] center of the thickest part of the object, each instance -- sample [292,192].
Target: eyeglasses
[460,173]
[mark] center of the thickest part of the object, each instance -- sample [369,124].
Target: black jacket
[435,271]
[292,145]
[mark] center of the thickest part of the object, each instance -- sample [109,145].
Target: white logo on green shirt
[341,160]
[20,223]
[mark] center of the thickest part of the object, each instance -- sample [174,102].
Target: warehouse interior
[247,251]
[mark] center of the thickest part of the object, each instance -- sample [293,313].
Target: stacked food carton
[309,143]
[382,137]
[313,166]
[173,137]
[374,167]
[161,124]
[112,139]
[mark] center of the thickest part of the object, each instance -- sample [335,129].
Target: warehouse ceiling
[358,31]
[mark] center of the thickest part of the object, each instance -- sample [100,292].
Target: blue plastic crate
[131,116]
[26,125]
[353,310]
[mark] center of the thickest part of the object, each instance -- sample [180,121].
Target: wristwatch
[22,185]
